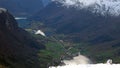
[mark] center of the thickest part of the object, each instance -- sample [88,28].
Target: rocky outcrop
[17,48]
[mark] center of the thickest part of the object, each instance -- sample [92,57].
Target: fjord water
[23,22]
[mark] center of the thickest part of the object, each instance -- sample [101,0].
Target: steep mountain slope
[100,32]
[82,22]
[46,2]
[17,48]
[103,7]
[22,7]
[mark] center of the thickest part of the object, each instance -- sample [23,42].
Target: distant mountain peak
[111,7]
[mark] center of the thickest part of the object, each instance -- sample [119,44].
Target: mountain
[18,49]
[22,7]
[46,2]
[80,25]
[103,7]
[83,22]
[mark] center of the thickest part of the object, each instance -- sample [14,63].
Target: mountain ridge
[103,7]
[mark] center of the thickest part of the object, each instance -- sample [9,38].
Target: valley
[96,53]
[43,33]
[93,34]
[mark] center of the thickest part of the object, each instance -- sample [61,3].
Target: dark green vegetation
[100,34]
[55,51]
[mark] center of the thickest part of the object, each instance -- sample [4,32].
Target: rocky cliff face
[17,48]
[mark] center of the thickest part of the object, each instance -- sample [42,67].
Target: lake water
[23,22]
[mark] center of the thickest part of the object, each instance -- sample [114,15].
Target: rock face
[22,7]
[17,48]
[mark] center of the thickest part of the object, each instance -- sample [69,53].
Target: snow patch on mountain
[39,32]
[104,7]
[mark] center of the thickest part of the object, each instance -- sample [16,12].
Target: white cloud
[90,66]
[80,59]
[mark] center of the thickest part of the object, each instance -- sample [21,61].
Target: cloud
[80,59]
[90,66]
